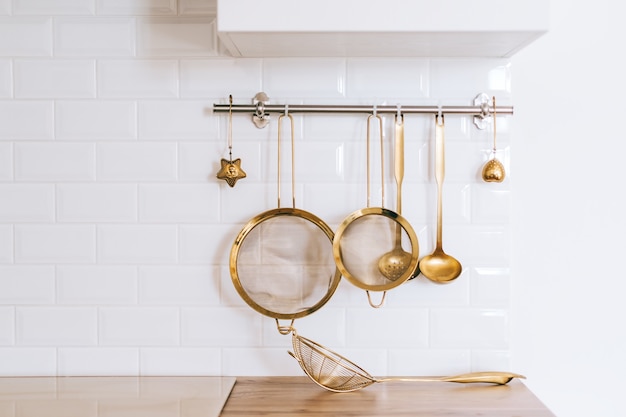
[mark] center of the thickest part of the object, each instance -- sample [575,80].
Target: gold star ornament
[231,171]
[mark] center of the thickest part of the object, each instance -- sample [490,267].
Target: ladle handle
[440,171]
[399,160]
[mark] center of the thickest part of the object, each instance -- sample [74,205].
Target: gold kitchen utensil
[333,372]
[281,262]
[365,235]
[394,263]
[230,170]
[439,266]
[493,170]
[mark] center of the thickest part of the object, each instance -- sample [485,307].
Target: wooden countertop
[299,396]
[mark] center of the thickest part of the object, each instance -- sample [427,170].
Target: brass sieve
[333,372]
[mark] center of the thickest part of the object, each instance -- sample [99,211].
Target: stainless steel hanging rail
[261,109]
[310,108]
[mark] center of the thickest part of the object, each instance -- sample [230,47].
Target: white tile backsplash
[88,361]
[175,120]
[429,362]
[80,120]
[195,7]
[137,244]
[115,233]
[293,78]
[27,203]
[101,203]
[6,78]
[5,7]
[138,161]
[474,328]
[196,241]
[137,78]
[88,36]
[133,326]
[463,79]
[178,285]
[178,37]
[32,120]
[398,327]
[219,77]
[54,79]
[54,161]
[377,79]
[167,203]
[25,36]
[6,243]
[180,361]
[27,284]
[55,243]
[6,161]
[56,326]
[203,326]
[7,326]
[28,361]
[143,7]
[57,7]
[96,285]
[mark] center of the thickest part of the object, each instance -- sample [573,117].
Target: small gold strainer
[335,373]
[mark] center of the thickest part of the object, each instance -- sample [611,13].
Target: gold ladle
[393,264]
[493,170]
[439,266]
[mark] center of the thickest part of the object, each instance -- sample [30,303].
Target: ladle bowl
[394,264]
[440,267]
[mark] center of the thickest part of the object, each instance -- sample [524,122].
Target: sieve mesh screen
[285,264]
[362,244]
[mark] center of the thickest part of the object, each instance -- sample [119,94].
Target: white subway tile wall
[115,232]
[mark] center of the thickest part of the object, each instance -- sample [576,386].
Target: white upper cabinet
[411,28]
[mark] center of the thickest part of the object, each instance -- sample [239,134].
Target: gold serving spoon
[493,170]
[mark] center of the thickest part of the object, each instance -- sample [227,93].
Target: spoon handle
[440,171]
[499,378]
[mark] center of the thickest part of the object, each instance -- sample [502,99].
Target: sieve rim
[376,211]
[251,225]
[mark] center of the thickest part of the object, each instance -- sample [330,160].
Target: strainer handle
[284,330]
[382,300]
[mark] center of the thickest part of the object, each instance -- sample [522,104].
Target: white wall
[115,232]
[568,160]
